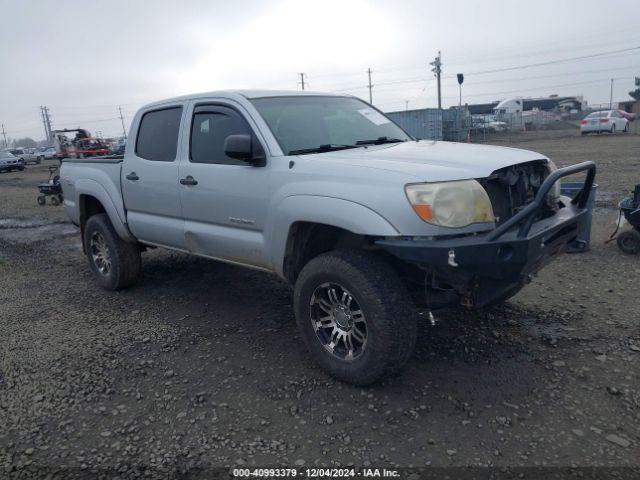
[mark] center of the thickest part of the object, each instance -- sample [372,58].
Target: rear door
[150,178]
[224,200]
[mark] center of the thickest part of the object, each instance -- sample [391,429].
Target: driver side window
[210,128]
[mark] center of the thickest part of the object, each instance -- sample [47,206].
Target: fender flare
[337,212]
[114,210]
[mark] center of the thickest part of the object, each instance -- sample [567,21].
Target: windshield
[302,124]
[6,155]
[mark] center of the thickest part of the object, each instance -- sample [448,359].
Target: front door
[224,200]
[150,179]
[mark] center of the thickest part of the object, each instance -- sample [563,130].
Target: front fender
[336,212]
[113,207]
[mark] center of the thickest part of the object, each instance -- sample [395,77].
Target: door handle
[189,180]
[132,176]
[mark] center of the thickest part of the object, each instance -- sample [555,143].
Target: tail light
[604,120]
[583,122]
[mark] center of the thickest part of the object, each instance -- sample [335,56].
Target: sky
[84,59]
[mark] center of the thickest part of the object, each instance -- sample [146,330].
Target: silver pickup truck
[329,194]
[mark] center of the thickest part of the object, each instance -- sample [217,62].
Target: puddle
[18,223]
[550,331]
[30,231]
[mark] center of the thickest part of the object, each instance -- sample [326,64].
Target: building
[630,106]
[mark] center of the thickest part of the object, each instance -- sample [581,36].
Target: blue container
[423,124]
[570,189]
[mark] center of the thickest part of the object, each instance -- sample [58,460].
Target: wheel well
[307,240]
[89,206]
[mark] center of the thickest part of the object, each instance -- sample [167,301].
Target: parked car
[604,121]
[333,197]
[8,162]
[487,123]
[46,153]
[25,155]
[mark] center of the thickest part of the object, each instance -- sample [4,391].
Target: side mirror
[239,147]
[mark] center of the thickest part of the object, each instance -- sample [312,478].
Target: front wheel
[626,128]
[115,263]
[613,129]
[629,242]
[355,316]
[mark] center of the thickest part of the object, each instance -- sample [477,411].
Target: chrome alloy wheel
[338,321]
[100,253]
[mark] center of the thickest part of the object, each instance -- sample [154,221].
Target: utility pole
[611,96]
[46,120]
[406,104]
[637,121]
[437,71]
[124,131]
[4,134]
[301,82]
[44,123]
[370,87]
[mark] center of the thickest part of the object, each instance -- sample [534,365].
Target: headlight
[554,193]
[450,204]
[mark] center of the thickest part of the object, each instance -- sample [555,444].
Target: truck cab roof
[244,94]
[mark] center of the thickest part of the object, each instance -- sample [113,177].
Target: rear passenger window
[158,134]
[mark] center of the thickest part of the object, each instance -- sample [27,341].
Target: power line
[506,80]
[542,87]
[553,62]
[504,69]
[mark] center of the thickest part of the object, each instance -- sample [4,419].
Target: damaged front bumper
[498,261]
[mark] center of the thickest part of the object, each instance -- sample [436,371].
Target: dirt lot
[201,365]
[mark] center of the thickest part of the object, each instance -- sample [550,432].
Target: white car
[604,121]
[46,153]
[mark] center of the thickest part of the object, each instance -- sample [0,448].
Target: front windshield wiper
[379,141]
[327,147]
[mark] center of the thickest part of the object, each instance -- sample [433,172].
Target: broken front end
[533,225]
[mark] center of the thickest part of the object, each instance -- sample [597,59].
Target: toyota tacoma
[365,223]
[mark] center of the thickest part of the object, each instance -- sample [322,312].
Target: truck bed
[96,176]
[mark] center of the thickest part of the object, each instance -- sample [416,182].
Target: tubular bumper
[515,249]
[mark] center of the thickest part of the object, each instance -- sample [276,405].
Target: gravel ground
[200,364]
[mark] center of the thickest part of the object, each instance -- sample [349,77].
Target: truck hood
[431,161]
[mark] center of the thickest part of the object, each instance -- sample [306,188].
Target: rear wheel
[41,200]
[626,128]
[629,242]
[115,263]
[355,316]
[54,200]
[613,129]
